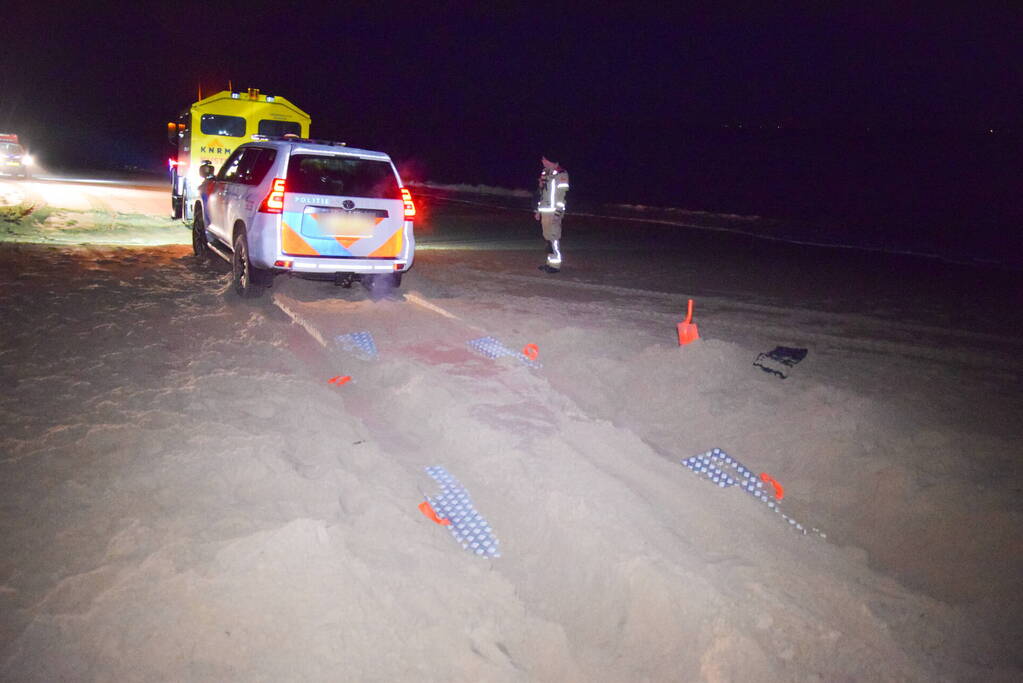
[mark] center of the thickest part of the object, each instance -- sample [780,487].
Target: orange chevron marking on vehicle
[292,242]
[347,241]
[391,247]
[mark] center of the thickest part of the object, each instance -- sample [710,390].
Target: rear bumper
[327,266]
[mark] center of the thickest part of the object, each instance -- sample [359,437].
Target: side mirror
[206,170]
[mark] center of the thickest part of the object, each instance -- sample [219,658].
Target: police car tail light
[274,202]
[410,207]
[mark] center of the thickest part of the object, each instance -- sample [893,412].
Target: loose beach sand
[186,497]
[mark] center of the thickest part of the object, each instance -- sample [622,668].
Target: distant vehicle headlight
[28,159]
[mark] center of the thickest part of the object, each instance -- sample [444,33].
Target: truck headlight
[28,159]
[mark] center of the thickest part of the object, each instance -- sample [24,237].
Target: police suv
[310,208]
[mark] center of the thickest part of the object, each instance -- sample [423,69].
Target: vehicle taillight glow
[274,202]
[410,208]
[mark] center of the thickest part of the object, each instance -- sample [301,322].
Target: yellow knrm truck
[209,130]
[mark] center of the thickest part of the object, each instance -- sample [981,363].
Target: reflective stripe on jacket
[553,188]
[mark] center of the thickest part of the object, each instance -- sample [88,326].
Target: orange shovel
[431,514]
[687,332]
[779,492]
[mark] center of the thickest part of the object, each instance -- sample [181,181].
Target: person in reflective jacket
[550,209]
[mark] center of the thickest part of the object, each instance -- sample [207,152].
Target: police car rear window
[218,124]
[342,176]
[276,129]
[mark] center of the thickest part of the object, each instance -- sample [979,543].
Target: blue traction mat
[360,343]
[488,347]
[721,469]
[467,526]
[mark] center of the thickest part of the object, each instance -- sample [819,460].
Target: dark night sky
[473,95]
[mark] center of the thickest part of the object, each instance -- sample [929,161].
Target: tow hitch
[344,280]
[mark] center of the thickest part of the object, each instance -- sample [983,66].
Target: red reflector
[274,202]
[282,264]
[410,208]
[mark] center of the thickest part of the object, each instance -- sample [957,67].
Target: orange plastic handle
[779,492]
[339,379]
[428,510]
[531,351]
[689,314]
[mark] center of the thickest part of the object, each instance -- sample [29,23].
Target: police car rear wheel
[200,246]
[248,281]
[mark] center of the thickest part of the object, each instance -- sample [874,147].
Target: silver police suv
[310,208]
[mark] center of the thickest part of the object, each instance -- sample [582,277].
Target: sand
[186,497]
